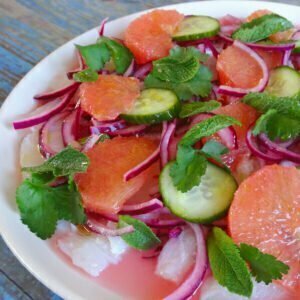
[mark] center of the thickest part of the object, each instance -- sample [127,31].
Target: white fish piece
[177,256]
[92,253]
[212,290]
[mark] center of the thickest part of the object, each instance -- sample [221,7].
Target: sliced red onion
[254,148]
[51,140]
[195,279]
[229,29]
[129,70]
[103,230]
[80,67]
[267,47]
[286,57]
[45,112]
[143,71]
[70,128]
[175,232]
[230,20]
[108,127]
[129,131]
[165,143]
[102,27]
[141,208]
[209,44]
[239,92]
[91,142]
[155,223]
[278,150]
[58,93]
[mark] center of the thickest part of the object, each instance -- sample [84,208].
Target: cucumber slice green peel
[196,27]
[154,106]
[284,82]
[204,203]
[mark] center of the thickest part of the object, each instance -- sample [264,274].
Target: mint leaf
[277,126]
[261,28]
[86,75]
[288,106]
[65,163]
[42,206]
[194,108]
[95,55]
[142,238]
[121,55]
[207,128]
[214,149]
[227,265]
[180,66]
[187,170]
[199,85]
[264,267]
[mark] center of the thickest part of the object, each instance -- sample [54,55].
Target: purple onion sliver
[175,232]
[69,128]
[210,45]
[286,57]
[141,208]
[143,71]
[102,27]
[129,131]
[91,142]
[165,142]
[195,279]
[129,70]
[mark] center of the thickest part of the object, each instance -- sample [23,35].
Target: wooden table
[30,30]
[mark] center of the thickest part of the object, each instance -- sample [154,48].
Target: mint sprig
[194,108]
[261,28]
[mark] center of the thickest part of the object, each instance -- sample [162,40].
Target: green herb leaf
[207,128]
[42,206]
[121,55]
[65,163]
[227,265]
[180,66]
[194,108]
[94,55]
[288,106]
[214,149]
[264,267]
[261,28]
[188,169]
[277,126]
[142,238]
[199,85]
[86,75]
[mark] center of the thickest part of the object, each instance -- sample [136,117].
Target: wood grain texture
[30,30]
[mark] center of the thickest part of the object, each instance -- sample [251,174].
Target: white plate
[33,253]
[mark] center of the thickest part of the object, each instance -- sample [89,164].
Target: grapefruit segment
[102,187]
[236,68]
[109,96]
[265,213]
[149,36]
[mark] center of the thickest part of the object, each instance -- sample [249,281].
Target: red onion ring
[209,44]
[45,112]
[129,70]
[175,232]
[223,89]
[58,93]
[98,228]
[102,27]
[278,150]
[143,71]
[195,279]
[286,57]
[108,127]
[141,208]
[70,128]
[129,131]
[50,146]
[253,146]
[91,142]
[79,68]
[165,142]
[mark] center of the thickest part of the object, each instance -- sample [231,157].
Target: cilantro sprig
[180,73]
[41,204]
[228,263]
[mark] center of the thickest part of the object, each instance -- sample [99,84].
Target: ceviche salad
[167,168]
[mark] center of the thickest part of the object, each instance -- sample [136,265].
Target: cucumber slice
[297,47]
[154,106]
[204,203]
[283,82]
[196,27]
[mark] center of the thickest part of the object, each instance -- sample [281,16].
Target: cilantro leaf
[42,206]
[199,85]
[194,108]
[288,106]
[277,126]
[227,265]
[121,55]
[180,66]
[94,55]
[142,237]
[261,28]
[187,170]
[65,163]
[86,75]
[264,267]
[207,128]
[214,149]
